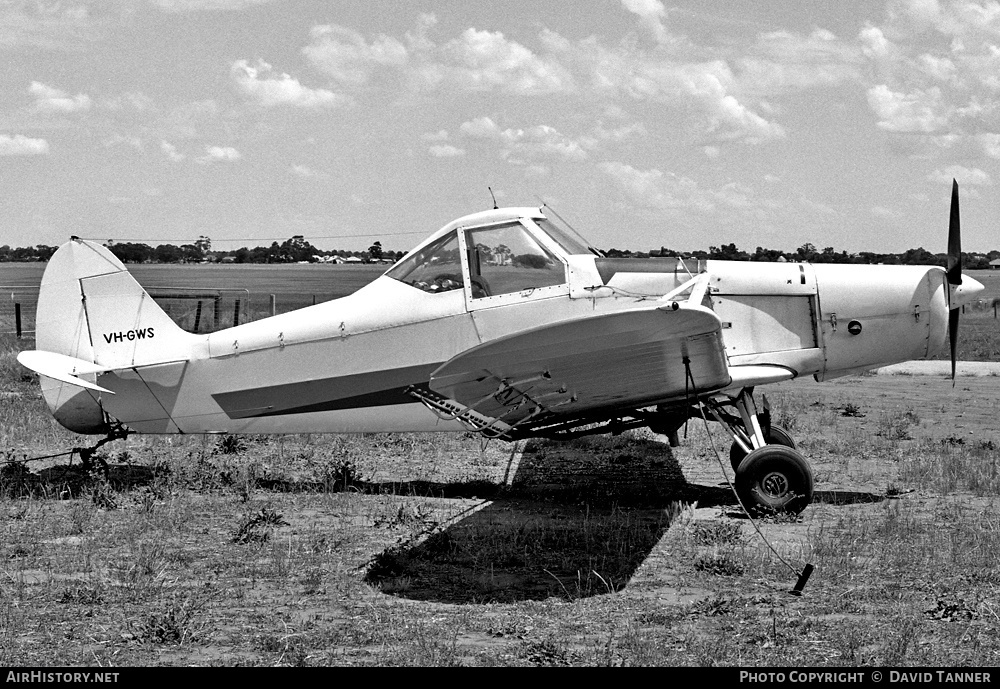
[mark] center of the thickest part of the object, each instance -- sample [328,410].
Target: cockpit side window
[506,258]
[435,268]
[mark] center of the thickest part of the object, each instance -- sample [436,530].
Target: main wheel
[777,436]
[774,478]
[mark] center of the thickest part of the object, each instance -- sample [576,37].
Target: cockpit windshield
[567,238]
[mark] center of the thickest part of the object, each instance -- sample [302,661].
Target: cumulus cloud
[668,191]
[48,25]
[52,100]
[520,145]
[219,154]
[990,143]
[171,152]
[938,66]
[874,44]
[712,100]
[22,145]
[783,61]
[347,57]
[917,111]
[445,151]
[281,89]
[965,176]
[477,60]
[488,60]
[482,127]
[656,189]
[651,14]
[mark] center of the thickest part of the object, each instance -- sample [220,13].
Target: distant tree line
[296,249]
[808,253]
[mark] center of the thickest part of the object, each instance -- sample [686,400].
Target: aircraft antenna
[490,189]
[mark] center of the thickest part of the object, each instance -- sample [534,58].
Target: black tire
[774,479]
[777,436]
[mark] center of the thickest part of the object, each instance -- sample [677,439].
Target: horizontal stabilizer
[65,369]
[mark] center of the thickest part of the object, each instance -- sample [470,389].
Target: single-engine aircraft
[506,323]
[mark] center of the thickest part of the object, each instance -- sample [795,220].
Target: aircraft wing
[626,359]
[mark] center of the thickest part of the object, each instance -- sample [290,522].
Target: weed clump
[342,476]
[721,564]
[256,528]
[716,533]
[852,411]
[177,624]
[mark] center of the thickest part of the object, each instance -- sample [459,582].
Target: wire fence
[17,309]
[194,310]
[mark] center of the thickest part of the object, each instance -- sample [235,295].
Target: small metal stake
[803,578]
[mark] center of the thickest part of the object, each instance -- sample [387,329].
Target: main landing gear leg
[771,474]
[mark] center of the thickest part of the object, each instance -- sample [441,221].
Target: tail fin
[93,313]
[91,308]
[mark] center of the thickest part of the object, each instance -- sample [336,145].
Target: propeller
[954,273]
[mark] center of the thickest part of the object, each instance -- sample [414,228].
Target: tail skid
[92,318]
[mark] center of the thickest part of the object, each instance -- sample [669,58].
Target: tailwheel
[773,479]
[776,436]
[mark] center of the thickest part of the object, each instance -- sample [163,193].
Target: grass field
[400,549]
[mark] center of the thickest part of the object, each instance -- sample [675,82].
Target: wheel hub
[775,484]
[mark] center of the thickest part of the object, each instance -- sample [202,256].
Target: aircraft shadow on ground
[846,497]
[71,480]
[577,520]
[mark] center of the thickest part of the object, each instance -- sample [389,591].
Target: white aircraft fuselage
[352,364]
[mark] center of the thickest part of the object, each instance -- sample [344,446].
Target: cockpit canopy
[512,253]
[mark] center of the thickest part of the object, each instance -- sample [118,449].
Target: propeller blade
[954,272]
[954,240]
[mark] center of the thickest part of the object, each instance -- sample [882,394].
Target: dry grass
[414,550]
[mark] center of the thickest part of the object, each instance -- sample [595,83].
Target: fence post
[215,313]
[236,313]
[17,319]
[273,305]
[197,316]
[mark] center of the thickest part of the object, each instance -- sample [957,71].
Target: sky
[643,124]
